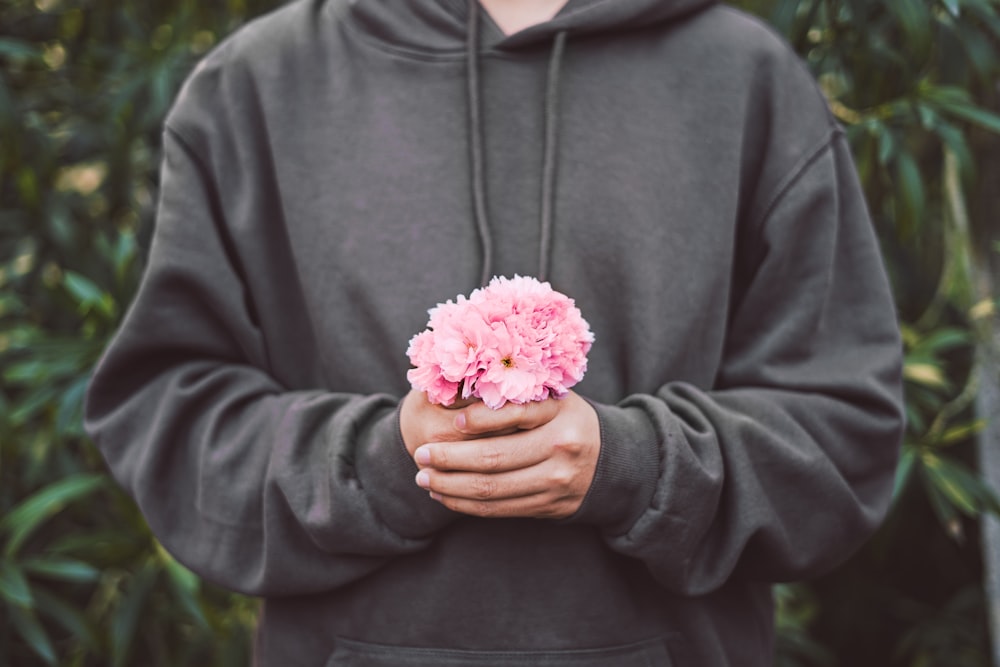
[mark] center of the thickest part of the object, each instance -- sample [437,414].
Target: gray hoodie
[338,167]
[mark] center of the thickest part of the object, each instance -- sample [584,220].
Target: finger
[480,418]
[475,486]
[421,421]
[488,455]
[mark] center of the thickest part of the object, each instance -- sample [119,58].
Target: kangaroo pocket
[648,653]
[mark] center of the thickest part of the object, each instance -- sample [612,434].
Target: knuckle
[485,509]
[560,477]
[483,487]
[493,459]
[563,448]
[439,458]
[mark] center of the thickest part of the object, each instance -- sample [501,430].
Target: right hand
[422,422]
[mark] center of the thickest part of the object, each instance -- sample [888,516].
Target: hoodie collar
[438,27]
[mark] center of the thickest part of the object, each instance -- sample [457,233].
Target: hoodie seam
[456,56]
[809,157]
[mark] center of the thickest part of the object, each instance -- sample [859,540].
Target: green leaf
[909,191]
[915,20]
[69,416]
[955,140]
[19,49]
[904,469]
[61,569]
[957,102]
[953,7]
[944,510]
[960,476]
[962,432]
[26,372]
[83,290]
[926,374]
[186,585]
[68,616]
[977,116]
[126,617]
[124,252]
[943,339]
[27,625]
[32,405]
[886,145]
[928,116]
[32,512]
[14,586]
[954,482]
[88,296]
[110,544]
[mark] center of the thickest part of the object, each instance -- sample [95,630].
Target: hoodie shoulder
[759,59]
[262,54]
[772,93]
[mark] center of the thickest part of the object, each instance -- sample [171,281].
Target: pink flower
[515,340]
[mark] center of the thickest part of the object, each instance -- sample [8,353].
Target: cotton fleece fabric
[707,219]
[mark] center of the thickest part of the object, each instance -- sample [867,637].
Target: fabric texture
[317,198]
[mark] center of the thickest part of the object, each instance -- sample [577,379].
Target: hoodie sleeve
[784,467]
[255,486]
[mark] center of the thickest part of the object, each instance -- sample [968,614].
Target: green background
[84,86]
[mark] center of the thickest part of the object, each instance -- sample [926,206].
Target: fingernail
[460,421]
[436,496]
[422,455]
[423,479]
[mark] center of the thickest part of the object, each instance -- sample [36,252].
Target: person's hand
[541,472]
[421,421]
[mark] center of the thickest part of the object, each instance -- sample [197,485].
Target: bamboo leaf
[909,190]
[984,497]
[61,569]
[925,374]
[904,470]
[956,484]
[126,616]
[914,18]
[88,295]
[955,140]
[962,432]
[83,290]
[943,339]
[944,510]
[27,625]
[962,107]
[14,586]
[31,513]
[186,585]
[886,145]
[67,616]
[17,48]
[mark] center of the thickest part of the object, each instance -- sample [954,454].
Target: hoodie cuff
[387,474]
[628,468]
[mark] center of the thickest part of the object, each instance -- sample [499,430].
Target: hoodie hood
[439,26]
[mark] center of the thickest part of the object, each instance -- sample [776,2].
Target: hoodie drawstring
[477,159]
[549,156]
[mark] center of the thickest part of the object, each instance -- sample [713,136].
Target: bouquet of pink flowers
[515,340]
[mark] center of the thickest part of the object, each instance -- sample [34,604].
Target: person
[337,168]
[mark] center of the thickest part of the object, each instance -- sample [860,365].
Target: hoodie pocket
[647,653]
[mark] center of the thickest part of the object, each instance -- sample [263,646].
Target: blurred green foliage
[84,86]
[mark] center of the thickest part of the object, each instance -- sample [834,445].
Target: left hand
[543,472]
